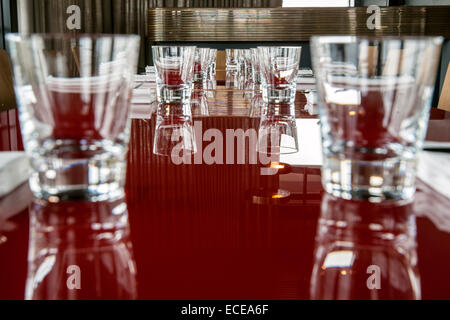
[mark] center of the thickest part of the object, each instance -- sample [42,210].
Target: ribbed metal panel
[291,24]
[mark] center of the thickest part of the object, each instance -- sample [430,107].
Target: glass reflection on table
[365,251]
[80,250]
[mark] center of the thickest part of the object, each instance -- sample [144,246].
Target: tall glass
[211,71]
[174,73]
[231,59]
[74,94]
[374,97]
[201,64]
[256,68]
[279,69]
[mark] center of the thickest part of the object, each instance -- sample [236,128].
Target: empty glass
[234,66]
[174,73]
[211,70]
[202,61]
[256,68]
[74,94]
[279,69]
[374,97]
[278,130]
[231,59]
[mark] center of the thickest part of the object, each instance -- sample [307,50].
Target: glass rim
[169,46]
[17,37]
[278,47]
[344,39]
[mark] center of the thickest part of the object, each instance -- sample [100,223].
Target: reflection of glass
[174,132]
[279,69]
[232,78]
[374,96]
[174,73]
[73,93]
[278,130]
[80,250]
[365,251]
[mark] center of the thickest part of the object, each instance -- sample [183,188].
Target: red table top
[221,232]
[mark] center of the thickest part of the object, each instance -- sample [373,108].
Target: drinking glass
[374,97]
[278,130]
[211,70]
[231,59]
[279,69]
[73,93]
[256,68]
[248,85]
[174,73]
[201,64]
[242,68]
[199,101]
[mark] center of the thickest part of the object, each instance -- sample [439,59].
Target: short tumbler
[73,93]
[374,100]
[174,73]
[279,69]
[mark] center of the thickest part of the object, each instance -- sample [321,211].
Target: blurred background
[233,25]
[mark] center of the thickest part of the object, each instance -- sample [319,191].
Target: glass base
[71,172]
[279,95]
[179,94]
[374,180]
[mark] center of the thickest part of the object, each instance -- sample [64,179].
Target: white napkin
[150,69]
[145,95]
[434,169]
[311,103]
[306,80]
[144,78]
[305,72]
[14,170]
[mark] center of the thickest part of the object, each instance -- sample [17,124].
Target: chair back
[7,98]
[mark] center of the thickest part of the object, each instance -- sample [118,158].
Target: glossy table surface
[223,231]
